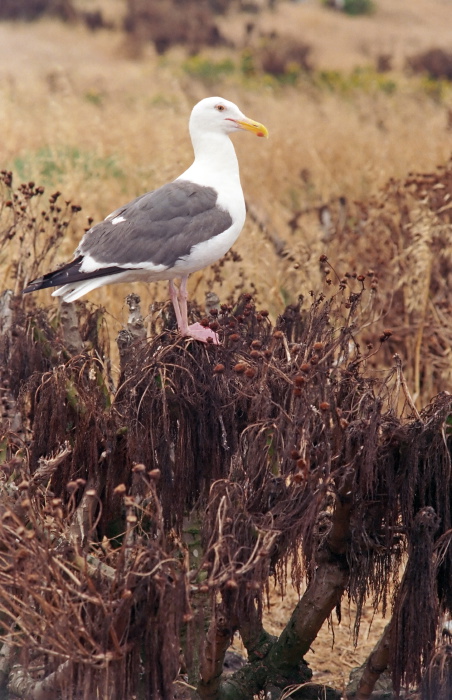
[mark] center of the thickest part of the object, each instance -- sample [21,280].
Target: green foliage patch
[50,165]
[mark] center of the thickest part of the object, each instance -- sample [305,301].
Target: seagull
[173,231]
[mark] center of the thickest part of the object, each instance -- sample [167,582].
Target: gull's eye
[220,108]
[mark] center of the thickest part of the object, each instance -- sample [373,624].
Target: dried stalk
[22,685]
[7,654]
[402,381]
[376,664]
[48,465]
[218,639]
[70,328]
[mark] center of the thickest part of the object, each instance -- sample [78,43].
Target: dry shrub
[256,438]
[280,55]
[32,227]
[169,22]
[33,9]
[398,241]
[437,682]
[436,63]
[245,449]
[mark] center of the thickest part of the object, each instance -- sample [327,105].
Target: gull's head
[216,115]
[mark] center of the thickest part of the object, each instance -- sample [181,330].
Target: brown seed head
[231,584]
[139,469]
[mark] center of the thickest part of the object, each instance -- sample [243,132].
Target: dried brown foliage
[168,22]
[279,55]
[436,63]
[399,241]
[134,518]
[32,9]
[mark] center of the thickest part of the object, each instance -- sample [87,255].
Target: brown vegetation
[167,22]
[136,516]
[436,63]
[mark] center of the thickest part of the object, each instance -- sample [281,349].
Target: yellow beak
[254,127]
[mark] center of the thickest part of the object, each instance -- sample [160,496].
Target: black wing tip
[39,283]
[55,278]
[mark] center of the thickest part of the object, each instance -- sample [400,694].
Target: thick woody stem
[376,664]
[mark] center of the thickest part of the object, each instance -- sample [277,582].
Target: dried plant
[141,523]
[399,240]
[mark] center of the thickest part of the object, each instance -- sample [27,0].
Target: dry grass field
[82,115]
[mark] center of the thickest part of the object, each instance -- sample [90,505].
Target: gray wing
[159,227]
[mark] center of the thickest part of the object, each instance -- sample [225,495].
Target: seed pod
[139,468]
[231,584]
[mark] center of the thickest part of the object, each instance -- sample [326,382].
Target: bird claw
[205,335]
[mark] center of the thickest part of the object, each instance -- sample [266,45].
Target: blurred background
[95,97]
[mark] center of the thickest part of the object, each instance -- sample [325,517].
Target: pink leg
[182,322]
[179,298]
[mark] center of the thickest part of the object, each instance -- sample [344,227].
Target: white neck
[215,158]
